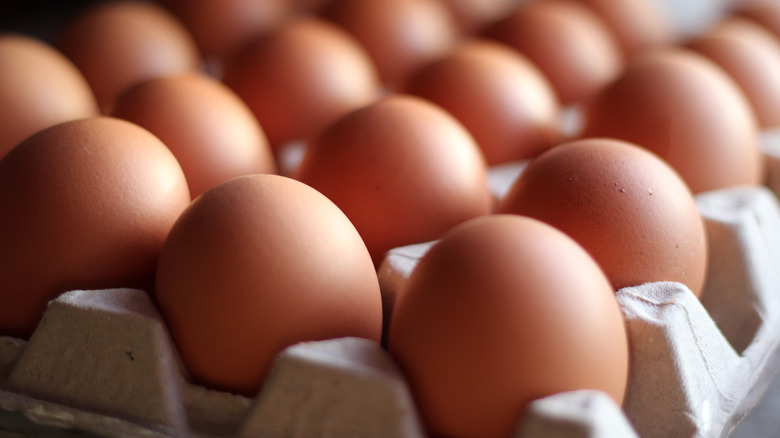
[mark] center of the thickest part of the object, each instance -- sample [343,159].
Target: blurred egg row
[249,163]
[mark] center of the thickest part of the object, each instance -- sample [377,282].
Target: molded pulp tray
[102,362]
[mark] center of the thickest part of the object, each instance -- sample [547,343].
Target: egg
[627,207]
[682,106]
[399,35]
[120,43]
[301,78]
[750,54]
[222,27]
[307,6]
[502,98]
[636,25]
[85,204]
[39,88]
[501,311]
[569,43]
[765,13]
[471,16]
[402,169]
[209,129]
[254,265]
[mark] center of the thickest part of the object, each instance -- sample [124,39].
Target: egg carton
[102,363]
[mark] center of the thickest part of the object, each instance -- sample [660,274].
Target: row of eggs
[398,145]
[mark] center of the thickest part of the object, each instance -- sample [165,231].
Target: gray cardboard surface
[576,414]
[342,388]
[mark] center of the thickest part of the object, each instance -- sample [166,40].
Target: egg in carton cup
[103,362]
[697,365]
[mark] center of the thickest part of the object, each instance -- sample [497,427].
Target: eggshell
[402,169]
[254,265]
[84,204]
[765,13]
[399,35]
[39,87]
[120,43]
[471,16]
[223,27]
[628,208]
[209,129]
[682,106]
[567,41]
[301,78]
[750,54]
[636,25]
[503,99]
[488,322]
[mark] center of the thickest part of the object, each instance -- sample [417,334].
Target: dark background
[40,18]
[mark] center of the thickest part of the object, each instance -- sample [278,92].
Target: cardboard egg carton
[103,363]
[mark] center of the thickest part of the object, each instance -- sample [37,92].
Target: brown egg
[499,95]
[750,54]
[471,16]
[765,13]
[84,204]
[301,78]
[39,87]
[118,44]
[501,311]
[399,35]
[222,27]
[307,6]
[686,109]
[628,208]
[208,128]
[402,169]
[635,24]
[567,41]
[254,265]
